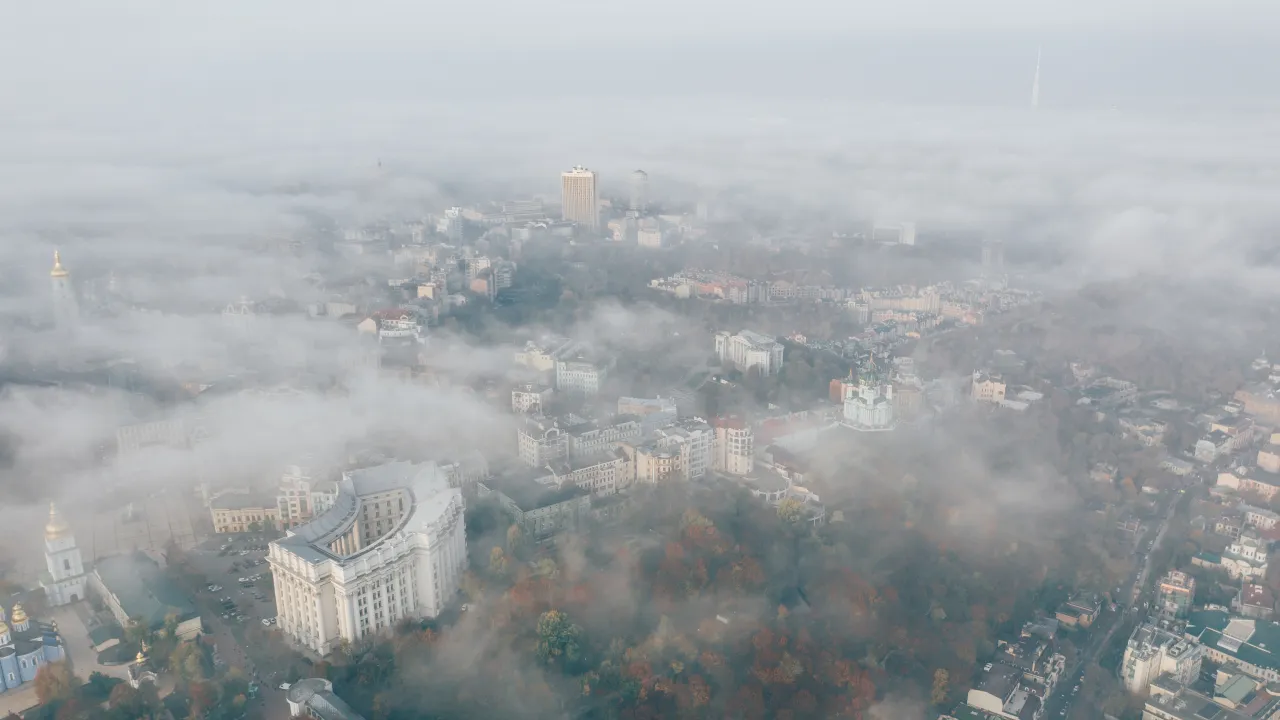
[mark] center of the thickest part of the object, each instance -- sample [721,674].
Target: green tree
[559,640]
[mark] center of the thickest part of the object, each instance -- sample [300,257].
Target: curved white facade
[393,546]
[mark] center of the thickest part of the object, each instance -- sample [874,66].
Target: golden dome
[141,658]
[4,628]
[58,270]
[56,527]
[18,616]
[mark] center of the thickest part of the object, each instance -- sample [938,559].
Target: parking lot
[237,578]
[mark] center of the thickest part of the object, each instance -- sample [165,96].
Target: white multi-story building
[604,474]
[580,373]
[529,398]
[1246,557]
[591,439]
[540,441]
[684,450]
[653,412]
[748,350]
[393,546]
[580,199]
[1152,651]
[735,446]
[542,355]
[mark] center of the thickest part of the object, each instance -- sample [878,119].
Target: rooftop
[144,592]
[1255,642]
[241,501]
[529,495]
[316,694]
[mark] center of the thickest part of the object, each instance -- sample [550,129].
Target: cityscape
[374,365]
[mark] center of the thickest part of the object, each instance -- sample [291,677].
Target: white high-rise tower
[66,312]
[1035,84]
[64,580]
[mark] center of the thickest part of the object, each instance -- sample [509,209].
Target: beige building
[734,447]
[1269,458]
[235,512]
[988,387]
[392,547]
[580,198]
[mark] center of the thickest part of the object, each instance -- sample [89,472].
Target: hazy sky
[285,53]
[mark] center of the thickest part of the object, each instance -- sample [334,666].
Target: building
[134,587]
[300,497]
[530,398]
[1248,643]
[639,201]
[393,546]
[734,447]
[1269,458]
[541,356]
[1175,595]
[1246,557]
[314,698]
[1002,691]
[1254,601]
[581,373]
[1171,700]
[1212,446]
[602,475]
[868,406]
[1152,651]
[684,450]
[580,199]
[653,413]
[237,512]
[591,439]
[64,580]
[539,440]
[987,387]
[749,350]
[66,310]
[540,511]
[25,647]
[1081,610]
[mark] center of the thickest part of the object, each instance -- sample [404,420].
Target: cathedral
[64,579]
[24,647]
[868,406]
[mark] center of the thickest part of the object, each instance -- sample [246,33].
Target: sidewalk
[75,638]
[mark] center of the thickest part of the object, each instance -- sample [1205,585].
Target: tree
[791,510]
[55,682]
[497,561]
[559,640]
[941,681]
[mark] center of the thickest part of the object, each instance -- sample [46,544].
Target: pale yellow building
[988,387]
[580,200]
[243,512]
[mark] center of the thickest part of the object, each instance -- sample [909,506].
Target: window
[66,564]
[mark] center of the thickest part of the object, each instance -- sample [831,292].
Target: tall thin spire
[1035,84]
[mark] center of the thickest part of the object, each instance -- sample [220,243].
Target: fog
[189,158]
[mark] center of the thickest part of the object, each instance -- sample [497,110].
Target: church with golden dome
[25,645]
[64,578]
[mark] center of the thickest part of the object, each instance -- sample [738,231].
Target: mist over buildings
[192,160]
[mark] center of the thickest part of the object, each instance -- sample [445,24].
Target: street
[1058,704]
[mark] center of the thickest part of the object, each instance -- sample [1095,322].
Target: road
[1058,704]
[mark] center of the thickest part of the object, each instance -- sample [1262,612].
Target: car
[215,588]
[285,686]
[266,621]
